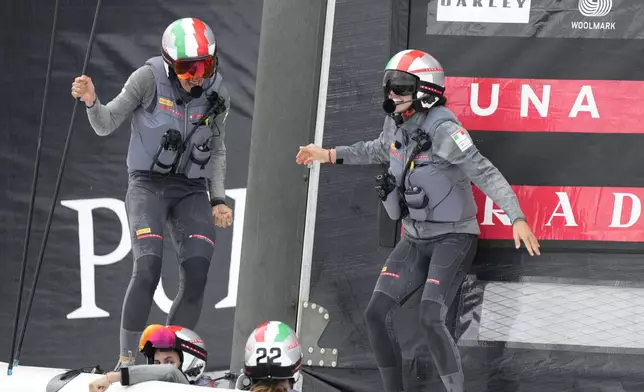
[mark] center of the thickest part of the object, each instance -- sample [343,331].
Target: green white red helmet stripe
[272,331]
[189,39]
[200,36]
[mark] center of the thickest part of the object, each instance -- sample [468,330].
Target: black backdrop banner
[566,321]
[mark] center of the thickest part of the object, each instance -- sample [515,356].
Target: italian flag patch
[462,139]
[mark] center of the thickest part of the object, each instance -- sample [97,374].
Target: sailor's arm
[218,151]
[138,90]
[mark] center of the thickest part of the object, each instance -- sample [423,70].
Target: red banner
[541,105]
[569,213]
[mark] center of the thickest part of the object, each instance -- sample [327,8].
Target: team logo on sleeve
[462,139]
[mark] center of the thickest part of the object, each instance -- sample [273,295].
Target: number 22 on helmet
[273,352]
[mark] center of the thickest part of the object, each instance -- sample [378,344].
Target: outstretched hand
[311,153]
[103,383]
[522,232]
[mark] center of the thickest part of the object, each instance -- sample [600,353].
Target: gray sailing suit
[155,196]
[137,374]
[440,232]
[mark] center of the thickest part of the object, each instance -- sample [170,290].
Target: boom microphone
[389,105]
[196,91]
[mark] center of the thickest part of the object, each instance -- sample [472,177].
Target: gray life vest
[435,189]
[168,120]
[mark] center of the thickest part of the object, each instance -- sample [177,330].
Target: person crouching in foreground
[174,354]
[272,359]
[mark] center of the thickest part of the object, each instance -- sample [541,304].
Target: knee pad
[195,276]
[147,272]
[378,308]
[432,315]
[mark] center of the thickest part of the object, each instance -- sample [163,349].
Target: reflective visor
[189,69]
[401,83]
[158,336]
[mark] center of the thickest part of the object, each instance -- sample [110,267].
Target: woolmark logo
[483,11]
[595,8]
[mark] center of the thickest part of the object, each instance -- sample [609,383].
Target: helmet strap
[431,88]
[426,103]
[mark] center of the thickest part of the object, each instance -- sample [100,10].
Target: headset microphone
[389,105]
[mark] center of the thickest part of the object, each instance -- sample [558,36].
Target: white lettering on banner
[585,101]
[583,25]
[619,217]
[88,259]
[586,93]
[541,105]
[485,11]
[239,195]
[161,299]
[489,213]
[566,210]
[474,101]
[618,207]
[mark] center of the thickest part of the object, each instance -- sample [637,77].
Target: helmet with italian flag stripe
[188,46]
[416,73]
[273,352]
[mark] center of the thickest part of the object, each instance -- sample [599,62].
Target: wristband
[93,104]
[125,376]
[330,160]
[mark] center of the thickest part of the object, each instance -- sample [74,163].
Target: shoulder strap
[423,143]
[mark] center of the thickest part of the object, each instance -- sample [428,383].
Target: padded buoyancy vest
[150,125]
[437,192]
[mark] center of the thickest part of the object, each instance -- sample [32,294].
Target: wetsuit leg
[451,257]
[193,232]
[147,214]
[403,274]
